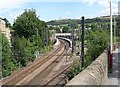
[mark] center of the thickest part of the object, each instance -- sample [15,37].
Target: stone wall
[4,29]
[95,74]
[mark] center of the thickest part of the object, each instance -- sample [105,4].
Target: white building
[4,29]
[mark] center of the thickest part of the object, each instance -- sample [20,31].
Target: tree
[57,29]
[8,62]
[23,50]
[73,24]
[96,44]
[27,24]
[31,35]
[118,26]
[65,29]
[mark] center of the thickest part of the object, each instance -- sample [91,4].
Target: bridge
[67,35]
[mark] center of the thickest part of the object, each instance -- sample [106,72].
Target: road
[114,77]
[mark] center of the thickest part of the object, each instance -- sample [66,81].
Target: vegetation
[87,21]
[30,35]
[96,42]
[118,29]
[8,62]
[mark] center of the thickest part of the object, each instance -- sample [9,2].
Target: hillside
[89,20]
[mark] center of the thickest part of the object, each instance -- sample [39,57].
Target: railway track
[20,75]
[40,77]
[33,74]
[59,76]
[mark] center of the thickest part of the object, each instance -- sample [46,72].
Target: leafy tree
[65,29]
[51,28]
[23,50]
[57,29]
[27,24]
[118,26]
[96,43]
[8,62]
[73,24]
[31,35]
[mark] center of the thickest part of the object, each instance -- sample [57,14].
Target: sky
[57,9]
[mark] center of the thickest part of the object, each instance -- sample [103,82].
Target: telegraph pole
[82,43]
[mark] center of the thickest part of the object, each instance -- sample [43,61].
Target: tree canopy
[8,62]
[118,26]
[27,24]
[30,35]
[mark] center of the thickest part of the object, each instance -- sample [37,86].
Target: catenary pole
[82,43]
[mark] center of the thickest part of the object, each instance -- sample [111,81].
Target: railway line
[37,72]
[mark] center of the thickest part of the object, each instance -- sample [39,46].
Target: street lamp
[111,36]
[111,55]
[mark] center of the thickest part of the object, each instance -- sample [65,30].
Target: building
[119,8]
[5,30]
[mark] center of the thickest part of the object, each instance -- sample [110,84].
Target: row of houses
[5,30]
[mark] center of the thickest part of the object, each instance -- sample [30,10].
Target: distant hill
[89,20]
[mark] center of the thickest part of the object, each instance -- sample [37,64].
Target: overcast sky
[55,9]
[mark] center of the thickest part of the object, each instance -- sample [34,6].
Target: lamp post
[111,36]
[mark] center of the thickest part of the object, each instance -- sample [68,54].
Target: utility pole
[114,29]
[37,52]
[72,40]
[47,37]
[82,43]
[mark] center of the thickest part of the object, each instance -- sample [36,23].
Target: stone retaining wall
[95,74]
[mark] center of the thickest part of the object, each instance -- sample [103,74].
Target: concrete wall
[95,74]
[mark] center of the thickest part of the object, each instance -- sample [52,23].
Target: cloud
[105,5]
[8,7]
[89,2]
[106,8]
[7,4]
